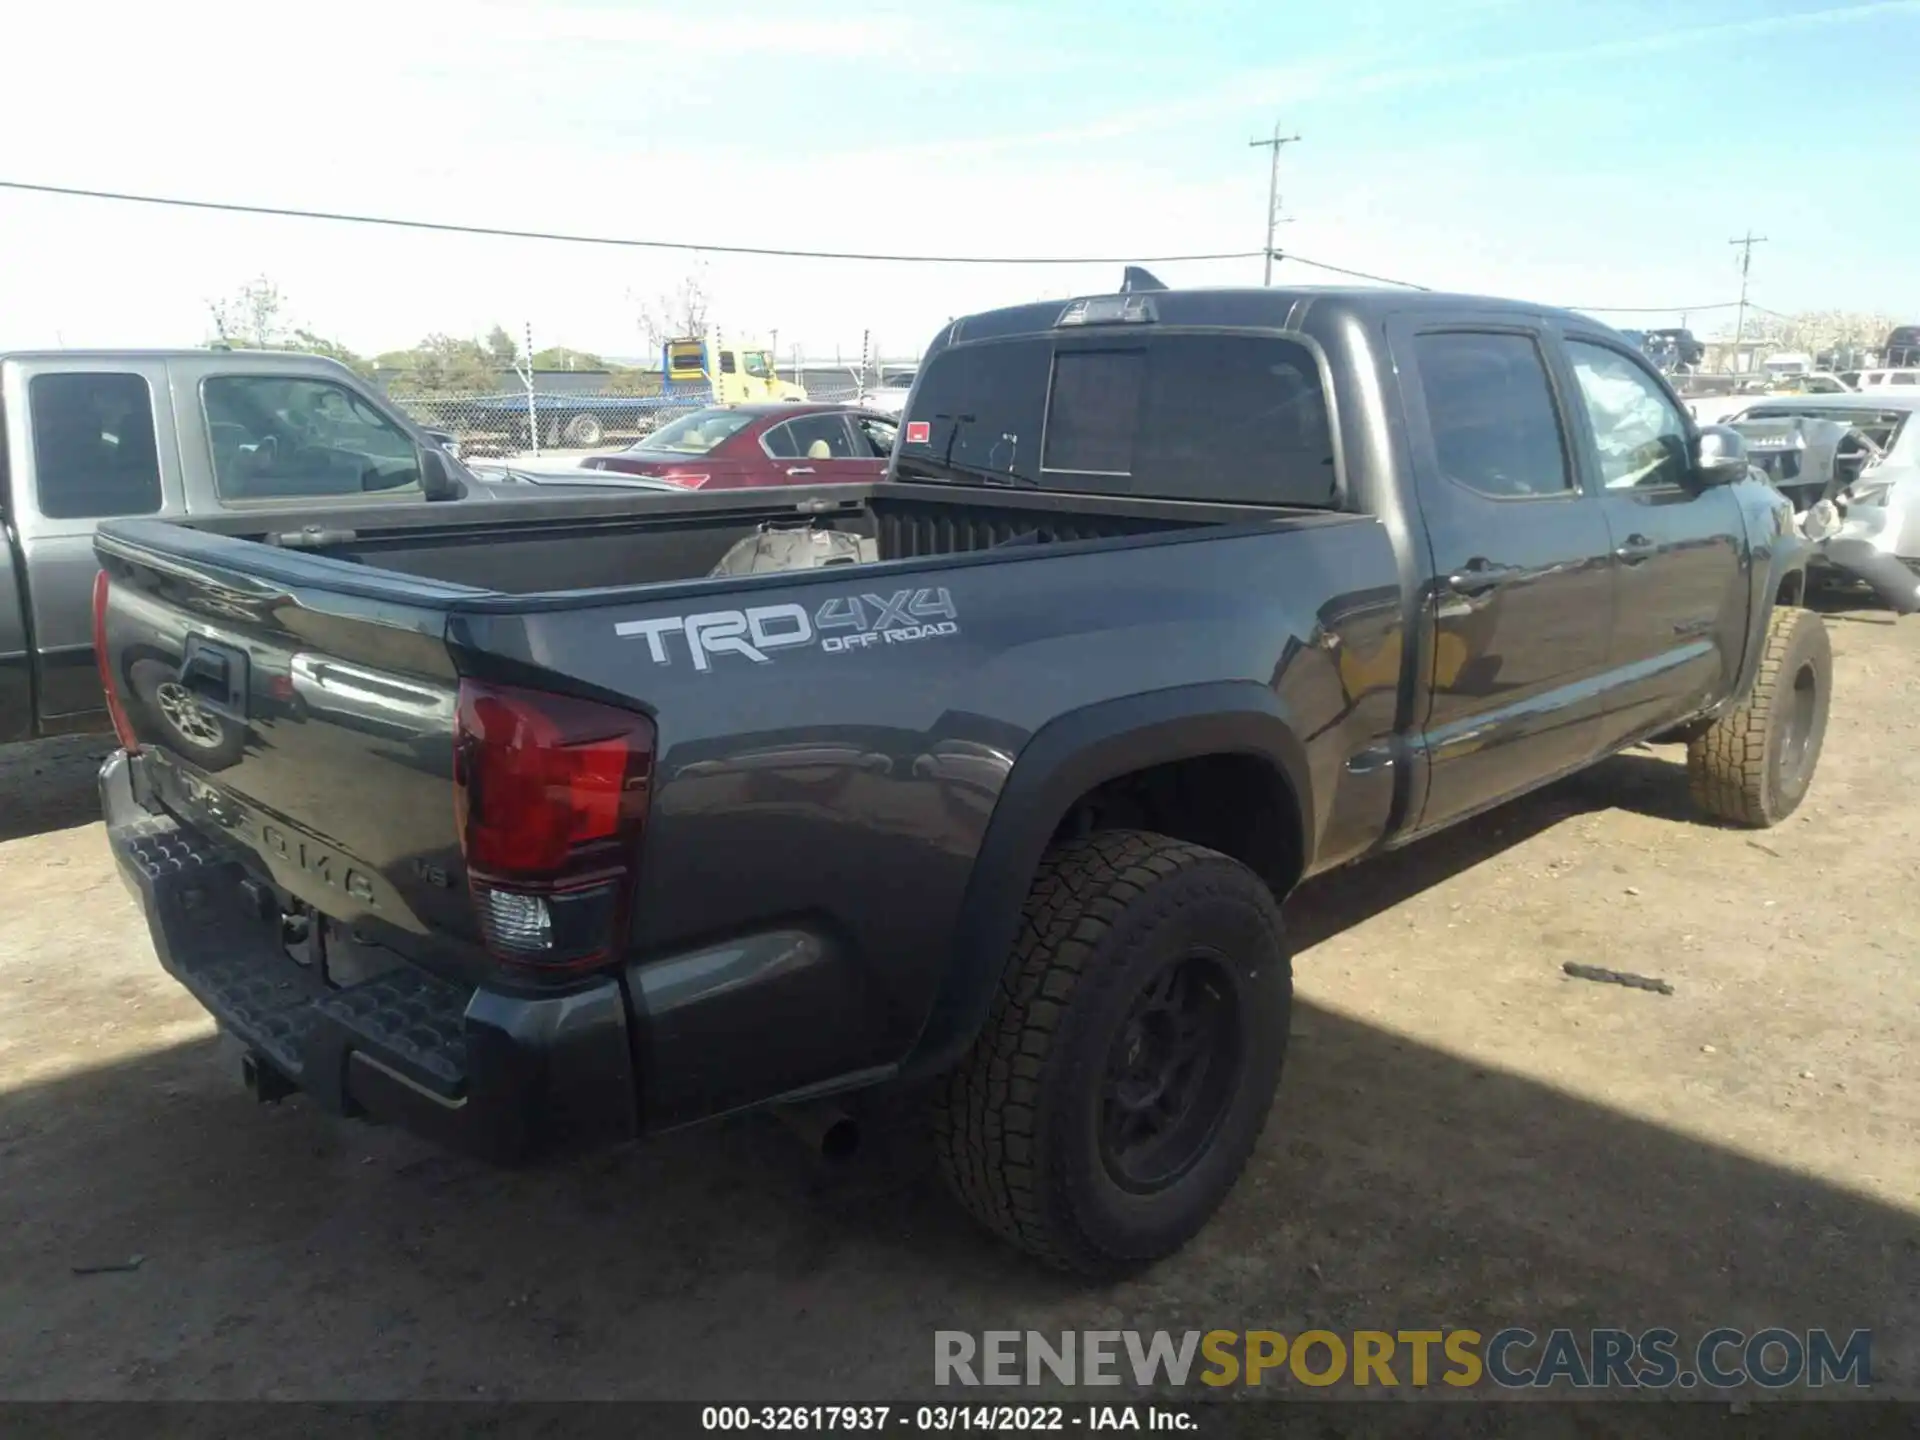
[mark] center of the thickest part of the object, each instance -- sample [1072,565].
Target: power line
[1652,309]
[443,227]
[1589,309]
[1342,270]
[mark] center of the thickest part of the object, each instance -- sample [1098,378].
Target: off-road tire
[1754,764]
[1017,1123]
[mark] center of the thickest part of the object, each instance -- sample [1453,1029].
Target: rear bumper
[495,1075]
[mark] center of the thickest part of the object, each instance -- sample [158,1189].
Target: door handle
[1634,549]
[1477,577]
[800,470]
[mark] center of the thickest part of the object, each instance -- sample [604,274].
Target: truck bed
[576,543]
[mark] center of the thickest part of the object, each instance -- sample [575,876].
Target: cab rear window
[1228,418]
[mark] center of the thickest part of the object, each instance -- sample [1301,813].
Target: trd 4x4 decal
[846,622]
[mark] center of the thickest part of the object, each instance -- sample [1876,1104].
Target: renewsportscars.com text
[1512,1358]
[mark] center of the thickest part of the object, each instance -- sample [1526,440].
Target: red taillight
[683,478]
[551,798]
[122,726]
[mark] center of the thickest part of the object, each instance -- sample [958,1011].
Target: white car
[891,396]
[1717,409]
[1880,510]
[1908,379]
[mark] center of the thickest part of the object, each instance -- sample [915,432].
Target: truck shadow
[1853,604]
[49,784]
[1650,781]
[1396,1186]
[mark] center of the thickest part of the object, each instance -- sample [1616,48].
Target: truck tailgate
[309,728]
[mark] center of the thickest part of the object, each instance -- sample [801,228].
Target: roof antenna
[1136,279]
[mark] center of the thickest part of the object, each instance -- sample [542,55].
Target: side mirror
[436,477]
[1719,455]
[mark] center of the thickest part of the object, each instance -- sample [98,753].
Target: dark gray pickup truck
[535,830]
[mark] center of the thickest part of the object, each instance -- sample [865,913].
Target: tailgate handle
[312,537]
[216,675]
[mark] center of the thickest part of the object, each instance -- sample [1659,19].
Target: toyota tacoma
[560,823]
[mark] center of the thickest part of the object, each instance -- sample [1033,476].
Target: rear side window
[1229,418]
[811,437]
[1491,414]
[982,405]
[94,451]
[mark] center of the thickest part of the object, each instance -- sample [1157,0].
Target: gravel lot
[1464,1136]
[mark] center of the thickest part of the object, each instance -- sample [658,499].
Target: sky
[1577,152]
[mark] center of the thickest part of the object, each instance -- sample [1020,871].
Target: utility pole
[1273,144]
[1746,244]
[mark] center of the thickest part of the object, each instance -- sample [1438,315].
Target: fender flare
[1774,560]
[1063,761]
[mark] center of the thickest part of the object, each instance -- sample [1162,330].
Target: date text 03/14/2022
[845,1419]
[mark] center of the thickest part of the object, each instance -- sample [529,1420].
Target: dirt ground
[1464,1136]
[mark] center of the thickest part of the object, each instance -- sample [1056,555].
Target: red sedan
[731,447]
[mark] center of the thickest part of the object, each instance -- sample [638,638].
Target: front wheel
[1129,1056]
[1754,764]
[585,431]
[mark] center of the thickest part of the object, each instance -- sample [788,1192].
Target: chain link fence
[588,410]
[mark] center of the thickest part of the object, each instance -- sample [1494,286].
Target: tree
[309,343]
[501,348]
[443,365]
[252,319]
[1812,331]
[683,312]
[559,357]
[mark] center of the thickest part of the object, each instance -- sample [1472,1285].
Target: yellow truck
[730,373]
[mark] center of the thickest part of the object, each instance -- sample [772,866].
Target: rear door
[95,439]
[821,449]
[877,433]
[1681,587]
[1523,597]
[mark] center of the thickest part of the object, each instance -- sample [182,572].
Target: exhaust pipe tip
[824,1128]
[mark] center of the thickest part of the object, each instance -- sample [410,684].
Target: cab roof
[1279,307]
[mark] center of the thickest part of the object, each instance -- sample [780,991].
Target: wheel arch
[1069,760]
[1779,556]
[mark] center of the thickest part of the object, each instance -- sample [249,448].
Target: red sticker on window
[919,432]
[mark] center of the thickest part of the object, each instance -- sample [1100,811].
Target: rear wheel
[1754,764]
[1129,1057]
[585,430]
